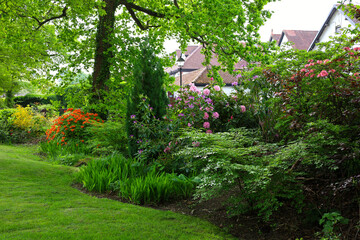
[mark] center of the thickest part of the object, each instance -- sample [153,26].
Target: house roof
[301,38]
[195,72]
[275,37]
[189,77]
[200,77]
[194,60]
[335,8]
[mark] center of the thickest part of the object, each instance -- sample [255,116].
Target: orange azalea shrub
[72,126]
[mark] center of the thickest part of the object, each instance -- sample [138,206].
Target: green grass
[38,202]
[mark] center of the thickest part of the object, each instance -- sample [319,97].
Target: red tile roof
[200,77]
[275,37]
[189,77]
[195,72]
[302,39]
[194,60]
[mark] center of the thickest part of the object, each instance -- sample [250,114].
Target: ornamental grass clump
[134,181]
[72,126]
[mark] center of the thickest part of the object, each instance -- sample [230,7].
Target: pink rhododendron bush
[210,110]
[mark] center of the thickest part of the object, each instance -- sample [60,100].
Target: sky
[289,15]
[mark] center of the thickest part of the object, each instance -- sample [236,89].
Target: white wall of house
[284,40]
[338,20]
[283,45]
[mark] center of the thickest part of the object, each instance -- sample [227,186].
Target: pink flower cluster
[206,125]
[308,71]
[243,108]
[323,73]
[206,92]
[195,108]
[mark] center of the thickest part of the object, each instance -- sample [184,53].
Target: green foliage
[2,103]
[48,110]
[34,99]
[9,98]
[330,221]
[262,176]
[238,160]
[76,96]
[301,87]
[133,181]
[6,125]
[24,47]
[108,138]
[255,90]
[5,114]
[152,136]
[148,77]
[21,125]
[333,147]
[70,154]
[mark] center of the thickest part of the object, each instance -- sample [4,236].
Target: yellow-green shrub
[25,119]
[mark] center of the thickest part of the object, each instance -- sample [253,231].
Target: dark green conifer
[148,77]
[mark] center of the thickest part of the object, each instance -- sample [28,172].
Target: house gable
[336,20]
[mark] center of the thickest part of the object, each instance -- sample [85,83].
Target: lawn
[38,202]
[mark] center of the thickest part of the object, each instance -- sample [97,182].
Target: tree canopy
[100,35]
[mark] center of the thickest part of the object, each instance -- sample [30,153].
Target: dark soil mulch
[285,224]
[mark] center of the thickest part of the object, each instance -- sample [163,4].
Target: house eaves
[281,38]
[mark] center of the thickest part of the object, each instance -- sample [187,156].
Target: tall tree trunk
[104,52]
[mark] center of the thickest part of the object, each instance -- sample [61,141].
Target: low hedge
[33,99]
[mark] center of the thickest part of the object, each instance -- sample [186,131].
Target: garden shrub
[152,134]
[133,181]
[108,138]
[211,110]
[259,95]
[9,98]
[260,175]
[34,99]
[2,103]
[5,114]
[192,109]
[72,126]
[6,125]
[47,110]
[301,87]
[333,147]
[337,87]
[69,134]
[148,81]
[21,125]
[76,96]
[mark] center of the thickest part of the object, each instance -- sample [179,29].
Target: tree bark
[103,52]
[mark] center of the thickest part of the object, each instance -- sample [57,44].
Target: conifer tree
[148,80]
